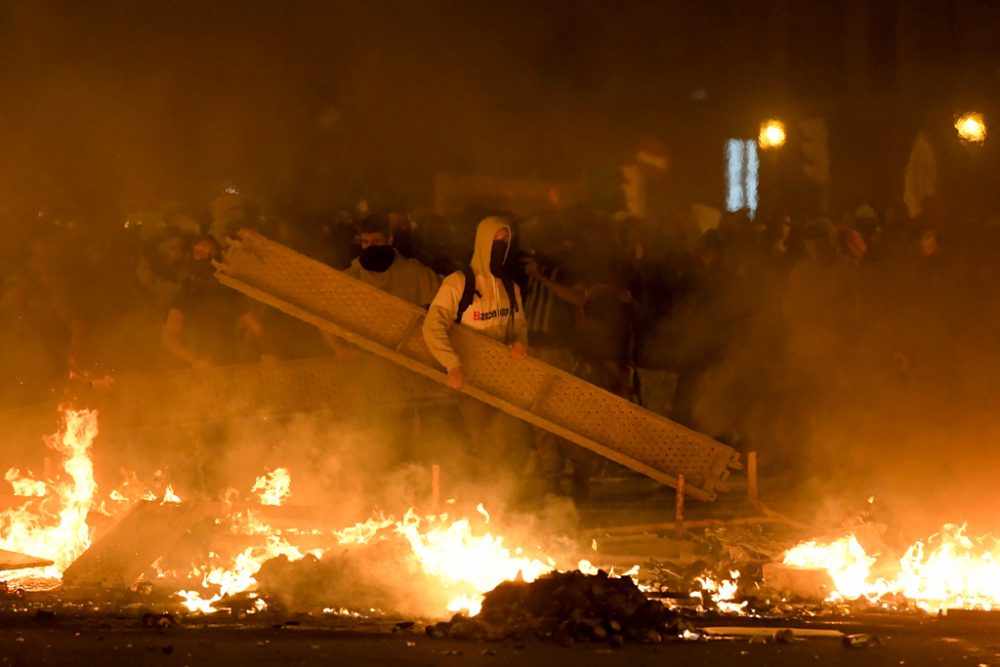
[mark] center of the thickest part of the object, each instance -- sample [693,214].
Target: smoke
[881,384]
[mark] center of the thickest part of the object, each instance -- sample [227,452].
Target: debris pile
[567,607]
[360,578]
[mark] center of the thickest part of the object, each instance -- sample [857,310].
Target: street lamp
[971,127]
[772,134]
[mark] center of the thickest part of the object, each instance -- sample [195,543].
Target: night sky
[312,104]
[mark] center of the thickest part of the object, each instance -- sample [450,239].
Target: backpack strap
[508,285]
[468,291]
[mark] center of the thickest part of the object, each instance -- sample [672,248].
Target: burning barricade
[63,531]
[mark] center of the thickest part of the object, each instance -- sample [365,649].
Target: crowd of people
[751,331]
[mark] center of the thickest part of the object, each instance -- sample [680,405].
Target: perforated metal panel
[526,388]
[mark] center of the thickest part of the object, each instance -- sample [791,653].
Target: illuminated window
[742,165]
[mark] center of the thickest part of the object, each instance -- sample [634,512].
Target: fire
[57,528]
[463,560]
[169,496]
[26,485]
[722,592]
[949,570]
[465,563]
[274,487]
[845,559]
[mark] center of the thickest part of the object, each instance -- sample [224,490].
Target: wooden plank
[144,534]
[11,560]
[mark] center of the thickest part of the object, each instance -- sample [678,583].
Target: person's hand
[519,350]
[456,378]
[531,268]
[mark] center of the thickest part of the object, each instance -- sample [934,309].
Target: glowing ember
[947,571]
[57,530]
[273,488]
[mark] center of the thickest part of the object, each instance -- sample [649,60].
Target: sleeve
[440,316]
[520,321]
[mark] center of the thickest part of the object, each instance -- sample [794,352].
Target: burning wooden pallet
[525,388]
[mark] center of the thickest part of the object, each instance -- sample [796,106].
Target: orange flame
[949,570]
[274,487]
[57,529]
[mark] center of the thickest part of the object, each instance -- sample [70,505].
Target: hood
[485,232]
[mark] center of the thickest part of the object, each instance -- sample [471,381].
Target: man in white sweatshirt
[495,309]
[490,305]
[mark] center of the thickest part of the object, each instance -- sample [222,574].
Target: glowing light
[750,180]
[735,196]
[742,167]
[971,127]
[772,134]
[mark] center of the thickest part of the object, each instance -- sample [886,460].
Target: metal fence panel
[526,388]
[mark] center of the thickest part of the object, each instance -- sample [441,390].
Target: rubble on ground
[568,607]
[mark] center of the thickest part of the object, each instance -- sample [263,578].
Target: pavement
[106,640]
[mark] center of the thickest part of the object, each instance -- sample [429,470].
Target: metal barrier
[526,388]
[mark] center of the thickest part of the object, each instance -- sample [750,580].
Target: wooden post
[435,487]
[679,509]
[753,493]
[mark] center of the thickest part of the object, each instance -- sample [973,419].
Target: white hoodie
[489,313]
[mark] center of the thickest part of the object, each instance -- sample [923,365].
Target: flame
[722,592]
[169,496]
[274,487]
[465,561]
[949,570]
[57,529]
[25,485]
[845,560]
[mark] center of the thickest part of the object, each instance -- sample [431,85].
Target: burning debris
[55,527]
[949,570]
[430,566]
[568,607]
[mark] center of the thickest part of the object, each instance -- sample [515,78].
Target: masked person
[483,298]
[209,324]
[380,265]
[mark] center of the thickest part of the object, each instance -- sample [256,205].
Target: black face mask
[498,258]
[377,258]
